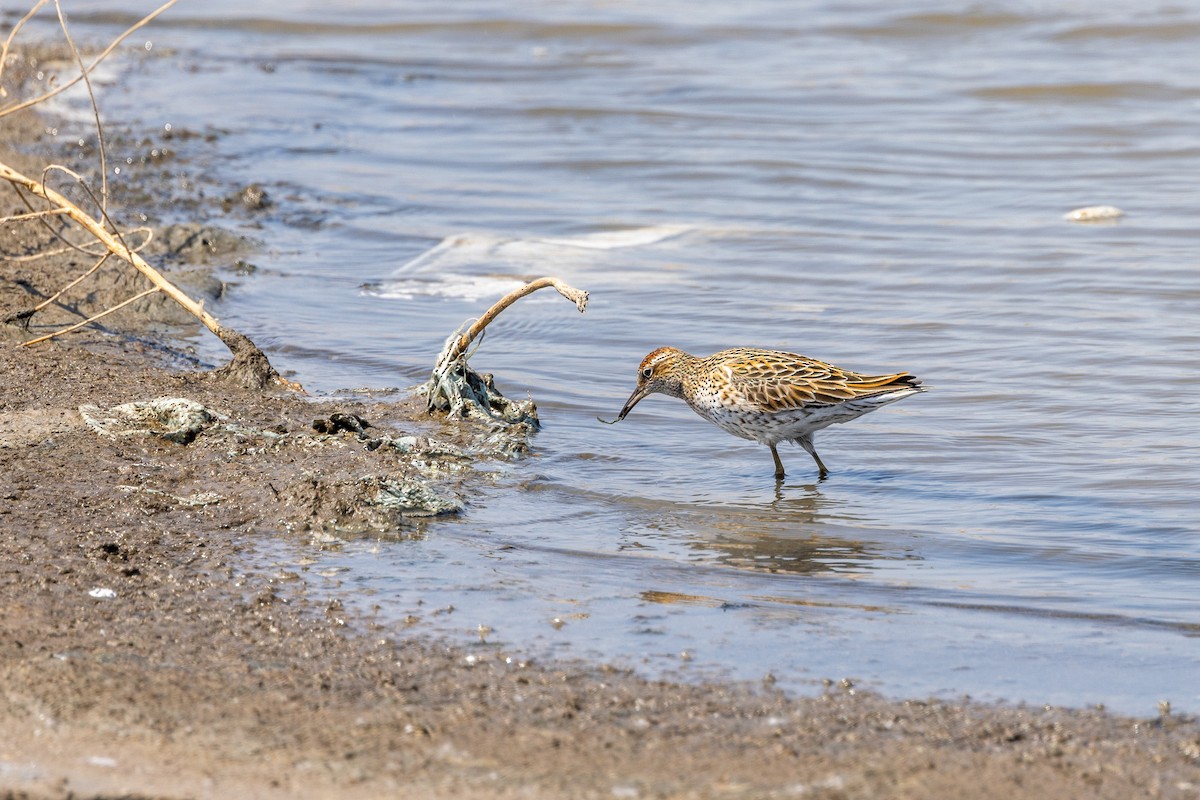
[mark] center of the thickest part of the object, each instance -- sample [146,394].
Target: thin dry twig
[71,285]
[12,35]
[99,202]
[33,101]
[93,318]
[112,242]
[250,365]
[83,248]
[49,212]
[87,81]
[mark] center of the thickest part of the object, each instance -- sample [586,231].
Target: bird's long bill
[633,400]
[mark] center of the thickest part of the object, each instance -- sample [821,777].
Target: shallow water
[880,189]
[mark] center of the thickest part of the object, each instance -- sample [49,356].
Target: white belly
[793,423]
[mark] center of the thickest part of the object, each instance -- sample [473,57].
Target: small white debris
[102,593]
[1094,214]
[834,782]
[102,761]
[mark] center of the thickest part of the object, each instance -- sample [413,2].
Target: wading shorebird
[767,396]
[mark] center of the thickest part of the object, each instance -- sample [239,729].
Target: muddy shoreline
[151,647]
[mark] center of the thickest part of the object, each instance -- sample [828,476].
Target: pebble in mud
[252,198]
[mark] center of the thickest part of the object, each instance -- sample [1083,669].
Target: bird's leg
[807,443]
[778,463]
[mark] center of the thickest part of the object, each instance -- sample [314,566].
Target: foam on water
[445,268]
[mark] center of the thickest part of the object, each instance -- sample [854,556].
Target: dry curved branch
[457,389]
[576,296]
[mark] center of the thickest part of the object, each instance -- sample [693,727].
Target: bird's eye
[647,372]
